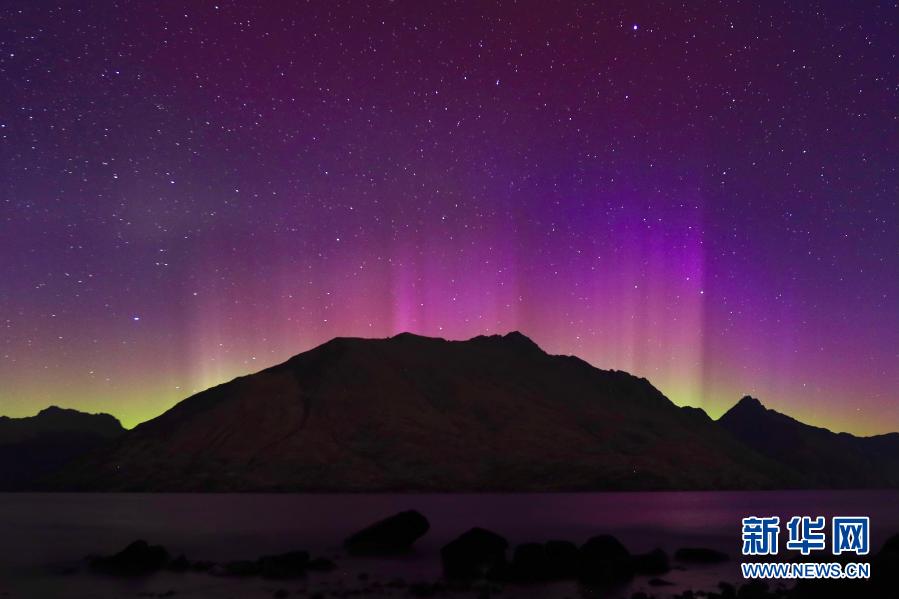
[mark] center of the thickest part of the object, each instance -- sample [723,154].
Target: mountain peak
[513,336]
[54,411]
[58,414]
[513,339]
[520,339]
[818,457]
[517,336]
[748,409]
[408,335]
[748,402]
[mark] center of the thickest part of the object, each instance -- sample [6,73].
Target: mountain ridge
[34,447]
[409,412]
[56,419]
[819,456]
[491,413]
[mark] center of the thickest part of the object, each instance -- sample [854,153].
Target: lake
[44,537]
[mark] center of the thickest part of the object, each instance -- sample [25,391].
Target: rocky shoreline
[483,563]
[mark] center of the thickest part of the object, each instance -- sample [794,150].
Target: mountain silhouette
[415,413]
[33,447]
[412,413]
[819,458]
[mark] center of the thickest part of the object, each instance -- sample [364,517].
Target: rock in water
[138,558]
[562,559]
[885,567]
[603,559]
[891,546]
[395,534]
[529,563]
[473,554]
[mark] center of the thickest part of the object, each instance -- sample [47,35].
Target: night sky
[704,195]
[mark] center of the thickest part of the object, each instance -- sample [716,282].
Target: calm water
[43,537]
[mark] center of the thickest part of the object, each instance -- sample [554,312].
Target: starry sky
[702,194]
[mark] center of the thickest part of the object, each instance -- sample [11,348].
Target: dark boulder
[137,559]
[285,565]
[395,534]
[890,546]
[651,564]
[473,554]
[529,563]
[700,555]
[885,569]
[603,559]
[561,559]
